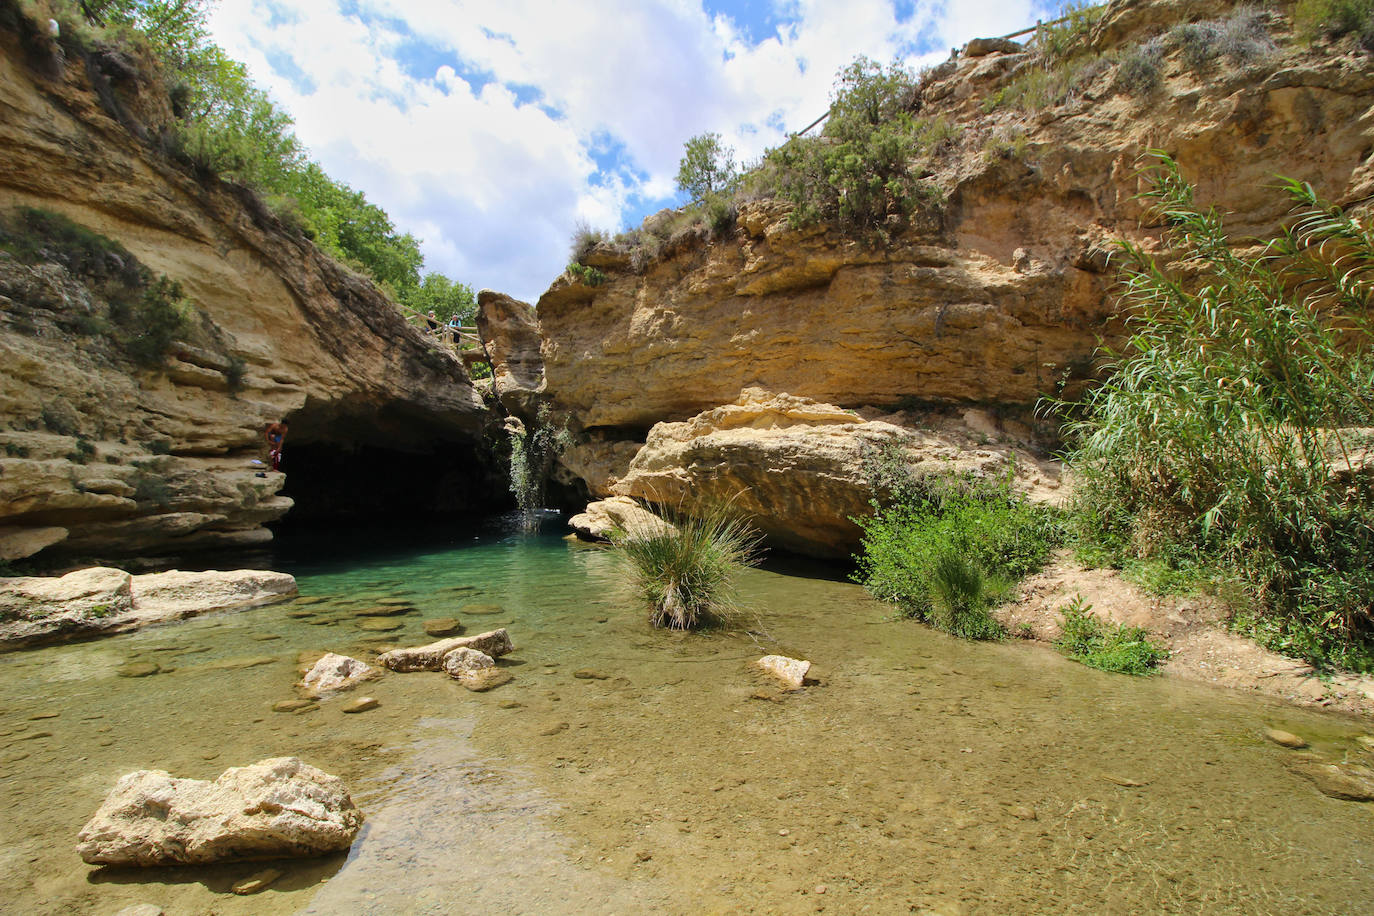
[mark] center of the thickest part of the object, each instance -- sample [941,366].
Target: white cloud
[494,184]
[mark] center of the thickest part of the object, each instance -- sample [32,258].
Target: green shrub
[859,175]
[1042,87]
[960,594]
[152,489]
[159,317]
[946,548]
[234,373]
[1335,18]
[685,574]
[584,239]
[1223,429]
[587,275]
[1113,647]
[707,168]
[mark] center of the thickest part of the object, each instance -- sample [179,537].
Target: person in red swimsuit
[276,436]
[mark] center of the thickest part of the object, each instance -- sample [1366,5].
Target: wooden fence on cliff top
[953,54]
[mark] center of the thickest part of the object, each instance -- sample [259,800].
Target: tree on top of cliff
[707,167]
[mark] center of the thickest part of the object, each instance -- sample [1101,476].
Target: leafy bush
[83,452]
[685,574]
[591,276]
[1335,18]
[1107,646]
[1224,428]
[158,318]
[858,174]
[946,548]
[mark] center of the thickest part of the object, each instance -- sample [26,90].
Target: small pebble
[362,704]
[1283,738]
[291,705]
[820,889]
[44,715]
[587,674]
[257,882]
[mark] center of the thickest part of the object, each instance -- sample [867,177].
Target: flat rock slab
[1346,781]
[482,610]
[379,625]
[431,657]
[1284,739]
[100,600]
[256,882]
[362,704]
[275,808]
[443,626]
[386,610]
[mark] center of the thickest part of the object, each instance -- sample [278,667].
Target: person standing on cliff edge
[276,436]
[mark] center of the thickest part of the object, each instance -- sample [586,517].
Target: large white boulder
[274,808]
[617,515]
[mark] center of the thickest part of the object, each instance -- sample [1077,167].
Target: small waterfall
[533,450]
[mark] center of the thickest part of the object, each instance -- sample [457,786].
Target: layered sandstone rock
[998,293]
[99,600]
[800,470]
[605,517]
[275,808]
[127,459]
[509,330]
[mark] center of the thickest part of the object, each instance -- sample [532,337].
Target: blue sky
[491,128]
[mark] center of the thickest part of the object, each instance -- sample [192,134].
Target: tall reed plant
[1229,426]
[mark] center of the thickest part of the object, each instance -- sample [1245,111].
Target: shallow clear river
[921,774]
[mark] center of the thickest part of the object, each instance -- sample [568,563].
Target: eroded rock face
[278,807]
[796,467]
[993,296]
[509,329]
[128,459]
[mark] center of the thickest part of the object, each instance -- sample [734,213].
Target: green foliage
[1335,18]
[444,297]
[685,573]
[234,373]
[707,168]
[859,175]
[1062,41]
[152,489]
[946,548]
[14,450]
[960,594]
[1224,430]
[590,276]
[1045,86]
[1107,646]
[228,127]
[158,318]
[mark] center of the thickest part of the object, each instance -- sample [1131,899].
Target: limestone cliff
[100,455]
[999,291]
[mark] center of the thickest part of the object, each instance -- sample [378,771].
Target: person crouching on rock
[276,436]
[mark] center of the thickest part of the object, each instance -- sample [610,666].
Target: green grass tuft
[1107,646]
[685,574]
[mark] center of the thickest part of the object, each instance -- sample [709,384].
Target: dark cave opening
[386,467]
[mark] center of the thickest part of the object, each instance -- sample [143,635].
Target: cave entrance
[391,465]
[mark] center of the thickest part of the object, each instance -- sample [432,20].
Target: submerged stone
[1284,739]
[443,626]
[137,669]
